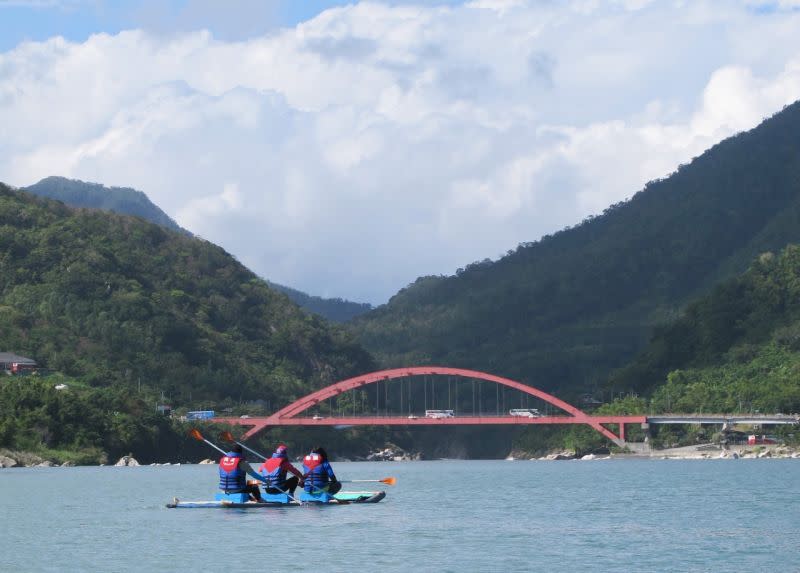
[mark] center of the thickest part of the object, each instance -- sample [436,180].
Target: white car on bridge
[525,412]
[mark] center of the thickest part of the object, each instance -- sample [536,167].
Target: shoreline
[15,459]
[695,452]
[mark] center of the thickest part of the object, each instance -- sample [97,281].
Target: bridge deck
[722,419]
[423,421]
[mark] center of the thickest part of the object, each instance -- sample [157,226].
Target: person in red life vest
[274,471]
[318,473]
[233,470]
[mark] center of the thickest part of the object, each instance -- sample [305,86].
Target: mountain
[115,300]
[563,312]
[738,348]
[123,200]
[126,201]
[333,309]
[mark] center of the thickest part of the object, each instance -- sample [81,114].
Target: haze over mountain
[127,201]
[122,200]
[563,312]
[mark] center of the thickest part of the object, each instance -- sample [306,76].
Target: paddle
[387,481]
[228,437]
[195,433]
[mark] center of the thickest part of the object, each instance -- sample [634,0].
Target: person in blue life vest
[275,469]
[233,471]
[318,473]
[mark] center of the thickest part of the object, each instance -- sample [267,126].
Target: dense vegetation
[737,349]
[83,424]
[126,201]
[564,312]
[116,300]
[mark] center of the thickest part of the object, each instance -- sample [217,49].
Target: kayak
[241,500]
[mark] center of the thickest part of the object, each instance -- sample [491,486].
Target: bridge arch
[306,402]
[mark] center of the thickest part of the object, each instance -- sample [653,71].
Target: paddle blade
[227,436]
[195,433]
[389,481]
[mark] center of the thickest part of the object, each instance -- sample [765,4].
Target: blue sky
[346,153]
[76,20]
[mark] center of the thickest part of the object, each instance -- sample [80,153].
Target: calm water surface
[603,515]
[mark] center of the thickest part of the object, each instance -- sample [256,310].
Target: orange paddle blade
[227,436]
[389,481]
[195,433]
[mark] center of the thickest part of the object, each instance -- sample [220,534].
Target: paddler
[233,471]
[318,473]
[274,471]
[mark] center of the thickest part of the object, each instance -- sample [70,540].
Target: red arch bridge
[612,427]
[292,415]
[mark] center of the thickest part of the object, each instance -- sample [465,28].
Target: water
[625,515]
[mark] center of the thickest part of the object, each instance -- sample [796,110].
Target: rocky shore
[14,459]
[393,453]
[390,453]
[698,452]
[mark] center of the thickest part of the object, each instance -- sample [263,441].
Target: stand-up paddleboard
[240,501]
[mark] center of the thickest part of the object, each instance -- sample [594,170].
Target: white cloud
[374,143]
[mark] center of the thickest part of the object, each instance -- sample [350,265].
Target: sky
[345,149]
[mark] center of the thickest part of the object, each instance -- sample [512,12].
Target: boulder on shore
[207,461]
[565,455]
[6,462]
[128,461]
[392,453]
[26,459]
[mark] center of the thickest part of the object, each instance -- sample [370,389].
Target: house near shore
[14,364]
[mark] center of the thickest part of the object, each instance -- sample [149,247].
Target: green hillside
[737,349]
[116,300]
[126,201]
[565,311]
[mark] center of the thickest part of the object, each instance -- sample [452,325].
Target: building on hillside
[164,409]
[13,364]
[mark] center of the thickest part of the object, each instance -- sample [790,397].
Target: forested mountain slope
[116,300]
[563,312]
[126,201]
[737,348]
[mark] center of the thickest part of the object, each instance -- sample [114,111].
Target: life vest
[272,469]
[315,471]
[231,477]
